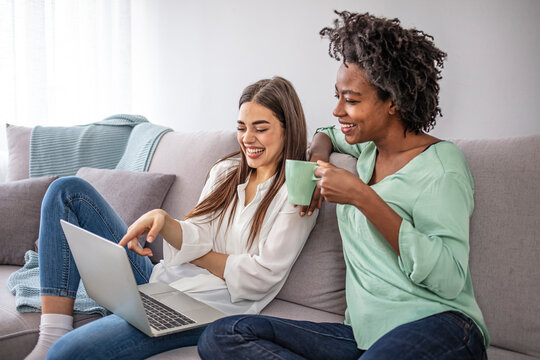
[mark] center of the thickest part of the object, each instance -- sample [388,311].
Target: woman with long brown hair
[233,251]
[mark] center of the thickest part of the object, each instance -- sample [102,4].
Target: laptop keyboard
[162,317]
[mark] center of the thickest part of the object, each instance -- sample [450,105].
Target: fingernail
[150,238]
[309,213]
[302,213]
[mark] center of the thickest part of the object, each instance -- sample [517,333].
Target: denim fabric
[265,337]
[112,337]
[448,335]
[76,201]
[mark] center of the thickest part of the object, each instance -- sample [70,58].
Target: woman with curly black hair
[404,219]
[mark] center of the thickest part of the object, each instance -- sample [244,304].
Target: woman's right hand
[150,223]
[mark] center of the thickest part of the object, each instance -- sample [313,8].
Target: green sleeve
[434,247]
[338,141]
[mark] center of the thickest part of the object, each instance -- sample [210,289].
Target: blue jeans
[76,201]
[448,335]
[111,337]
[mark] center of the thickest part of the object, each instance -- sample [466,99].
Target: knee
[60,189]
[219,335]
[69,184]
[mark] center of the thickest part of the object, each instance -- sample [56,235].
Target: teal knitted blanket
[140,147]
[24,283]
[121,141]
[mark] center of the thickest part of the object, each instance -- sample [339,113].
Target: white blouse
[254,276]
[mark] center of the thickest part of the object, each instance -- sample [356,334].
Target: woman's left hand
[338,185]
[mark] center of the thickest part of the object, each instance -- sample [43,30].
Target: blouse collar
[264,186]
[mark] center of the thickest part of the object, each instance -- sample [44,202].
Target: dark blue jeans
[448,335]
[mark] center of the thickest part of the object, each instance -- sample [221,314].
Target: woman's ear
[392,110]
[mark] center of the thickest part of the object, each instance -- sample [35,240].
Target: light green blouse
[433,194]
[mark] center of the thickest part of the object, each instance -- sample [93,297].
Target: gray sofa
[505,245]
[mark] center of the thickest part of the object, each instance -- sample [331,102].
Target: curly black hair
[403,64]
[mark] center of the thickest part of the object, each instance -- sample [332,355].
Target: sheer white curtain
[64,62]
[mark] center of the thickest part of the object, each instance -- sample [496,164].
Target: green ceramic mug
[300,181]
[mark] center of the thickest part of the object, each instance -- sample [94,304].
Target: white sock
[52,328]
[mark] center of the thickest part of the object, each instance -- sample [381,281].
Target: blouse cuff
[193,246]
[418,253]
[232,279]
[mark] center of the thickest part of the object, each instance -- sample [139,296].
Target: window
[64,62]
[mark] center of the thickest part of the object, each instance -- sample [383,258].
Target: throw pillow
[18,143]
[130,193]
[20,208]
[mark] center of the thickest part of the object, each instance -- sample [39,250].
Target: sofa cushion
[288,310]
[505,239]
[18,144]
[20,209]
[495,353]
[130,193]
[190,156]
[185,353]
[317,279]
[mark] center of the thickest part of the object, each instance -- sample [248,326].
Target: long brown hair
[279,96]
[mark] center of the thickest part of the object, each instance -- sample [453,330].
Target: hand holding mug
[337,185]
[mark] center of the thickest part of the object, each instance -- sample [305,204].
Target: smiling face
[261,136]
[363,116]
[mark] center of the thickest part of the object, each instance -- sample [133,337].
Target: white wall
[193,58]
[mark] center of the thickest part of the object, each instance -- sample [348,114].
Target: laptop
[156,309]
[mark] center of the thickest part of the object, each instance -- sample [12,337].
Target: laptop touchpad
[179,301]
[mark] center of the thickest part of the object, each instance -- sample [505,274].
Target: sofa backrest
[505,238]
